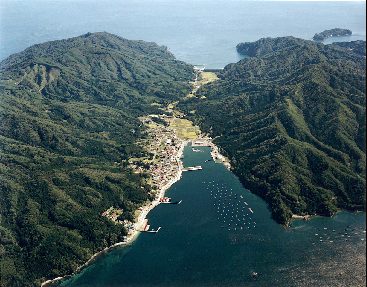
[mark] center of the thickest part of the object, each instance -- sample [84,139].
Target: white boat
[196,150]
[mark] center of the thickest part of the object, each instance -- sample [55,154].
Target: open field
[184,129]
[207,77]
[202,78]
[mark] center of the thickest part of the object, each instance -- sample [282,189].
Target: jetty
[154,231]
[146,227]
[192,168]
[168,200]
[202,142]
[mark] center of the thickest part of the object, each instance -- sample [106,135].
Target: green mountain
[68,114]
[291,117]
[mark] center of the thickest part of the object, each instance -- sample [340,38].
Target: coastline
[130,238]
[215,153]
[133,234]
[308,217]
[303,217]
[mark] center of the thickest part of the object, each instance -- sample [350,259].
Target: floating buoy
[254,274]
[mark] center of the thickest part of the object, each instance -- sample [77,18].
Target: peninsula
[70,130]
[336,32]
[291,118]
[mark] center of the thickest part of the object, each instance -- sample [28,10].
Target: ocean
[196,31]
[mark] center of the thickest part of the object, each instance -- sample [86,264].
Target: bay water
[221,235]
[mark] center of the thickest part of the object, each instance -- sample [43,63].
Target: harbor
[214,224]
[167,135]
[215,153]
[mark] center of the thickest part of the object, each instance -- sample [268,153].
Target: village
[163,146]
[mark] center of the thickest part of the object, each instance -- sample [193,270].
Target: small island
[336,32]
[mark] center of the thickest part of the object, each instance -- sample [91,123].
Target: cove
[213,239]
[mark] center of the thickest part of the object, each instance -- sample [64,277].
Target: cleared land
[184,129]
[207,77]
[203,78]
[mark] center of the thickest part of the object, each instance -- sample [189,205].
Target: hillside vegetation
[69,122]
[291,117]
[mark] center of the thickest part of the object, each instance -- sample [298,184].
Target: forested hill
[68,123]
[291,117]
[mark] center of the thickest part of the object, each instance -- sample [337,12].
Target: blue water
[213,239]
[196,31]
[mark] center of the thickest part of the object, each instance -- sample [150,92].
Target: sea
[196,31]
[223,235]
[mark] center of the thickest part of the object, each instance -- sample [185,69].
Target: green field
[207,77]
[185,129]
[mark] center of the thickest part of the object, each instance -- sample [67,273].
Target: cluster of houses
[163,143]
[160,166]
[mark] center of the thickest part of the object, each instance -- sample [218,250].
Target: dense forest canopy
[68,123]
[291,117]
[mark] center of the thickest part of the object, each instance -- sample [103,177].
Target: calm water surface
[213,239]
[196,31]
